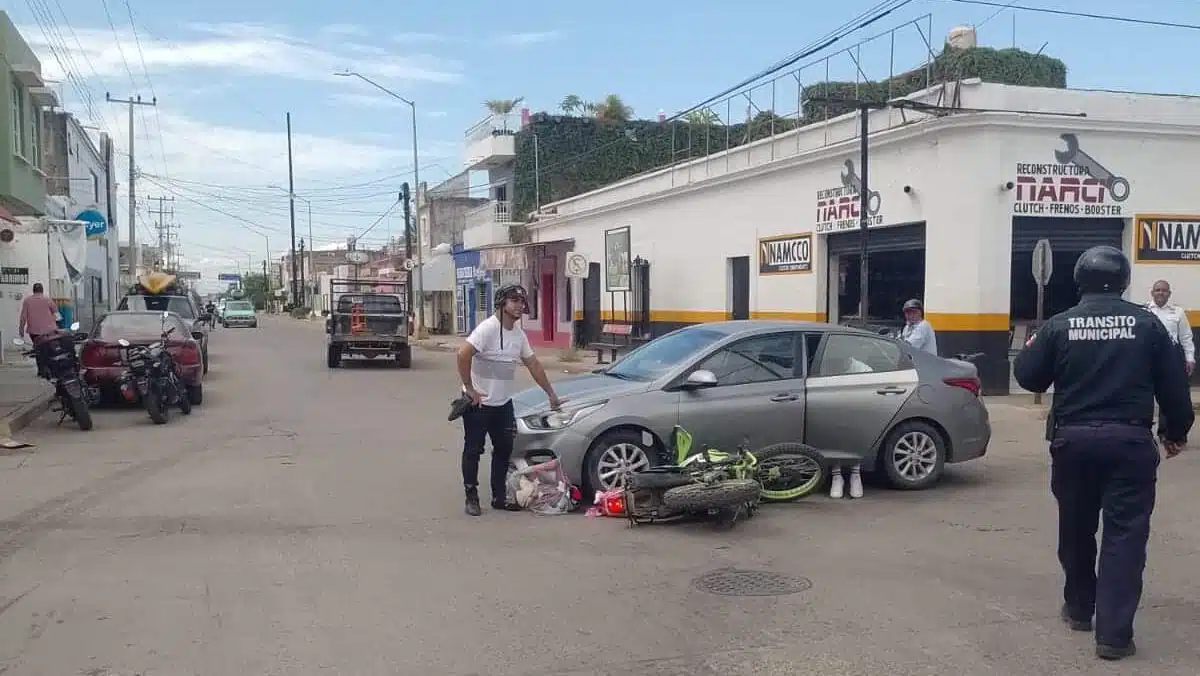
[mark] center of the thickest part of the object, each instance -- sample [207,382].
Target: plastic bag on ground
[542,488]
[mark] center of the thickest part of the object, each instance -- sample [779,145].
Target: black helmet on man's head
[1102,269]
[913,304]
[510,292]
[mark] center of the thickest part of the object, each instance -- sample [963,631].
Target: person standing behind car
[1108,360]
[917,331]
[487,366]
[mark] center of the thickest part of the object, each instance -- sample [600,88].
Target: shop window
[35,136]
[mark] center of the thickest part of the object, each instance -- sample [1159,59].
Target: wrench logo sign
[852,182]
[1118,186]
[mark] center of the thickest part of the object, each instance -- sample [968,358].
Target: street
[306,520]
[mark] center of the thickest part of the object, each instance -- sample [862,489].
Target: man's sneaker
[1074,624]
[856,486]
[1108,652]
[505,506]
[473,508]
[837,488]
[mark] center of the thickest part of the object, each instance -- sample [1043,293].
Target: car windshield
[137,327]
[240,306]
[372,303]
[180,305]
[655,358]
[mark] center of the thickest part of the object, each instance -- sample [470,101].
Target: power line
[1083,15]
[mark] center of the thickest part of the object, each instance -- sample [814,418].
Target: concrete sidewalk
[23,396]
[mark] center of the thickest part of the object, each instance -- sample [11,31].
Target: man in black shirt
[1108,360]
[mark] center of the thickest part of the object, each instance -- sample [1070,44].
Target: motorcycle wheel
[185,403]
[699,497]
[156,407]
[802,471]
[79,410]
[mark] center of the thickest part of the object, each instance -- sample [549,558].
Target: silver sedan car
[854,395]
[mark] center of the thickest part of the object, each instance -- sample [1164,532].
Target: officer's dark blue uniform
[1108,359]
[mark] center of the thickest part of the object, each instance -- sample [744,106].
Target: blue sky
[225,72]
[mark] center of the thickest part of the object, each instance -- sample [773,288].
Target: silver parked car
[847,392]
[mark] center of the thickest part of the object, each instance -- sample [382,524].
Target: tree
[254,289]
[612,109]
[503,107]
[571,104]
[702,116]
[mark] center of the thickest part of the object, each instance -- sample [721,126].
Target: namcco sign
[785,254]
[1164,238]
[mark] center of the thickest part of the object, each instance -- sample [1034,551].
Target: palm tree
[612,109]
[571,104]
[503,107]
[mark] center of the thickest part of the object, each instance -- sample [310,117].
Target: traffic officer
[1108,360]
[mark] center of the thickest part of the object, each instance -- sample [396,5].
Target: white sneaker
[856,487]
[838,486]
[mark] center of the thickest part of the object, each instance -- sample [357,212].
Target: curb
[25,414]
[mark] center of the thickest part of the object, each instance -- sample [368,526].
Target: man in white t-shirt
[487,366]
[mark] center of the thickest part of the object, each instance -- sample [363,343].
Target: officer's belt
[1093,422]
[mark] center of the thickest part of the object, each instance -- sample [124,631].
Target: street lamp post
[416,180]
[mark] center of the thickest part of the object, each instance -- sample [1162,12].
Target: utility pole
[404,192]
[134,254]
[292,208]
[162,228]
[303,286]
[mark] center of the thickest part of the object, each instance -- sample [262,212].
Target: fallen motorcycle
[725,486]
[151,376]
[60,365]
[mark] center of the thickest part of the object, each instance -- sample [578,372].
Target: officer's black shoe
[1074,624]
[1109,652]
[473,508]
[505,506]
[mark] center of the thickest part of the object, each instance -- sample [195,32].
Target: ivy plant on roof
[595,144]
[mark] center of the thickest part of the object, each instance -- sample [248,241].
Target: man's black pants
[498,424]
[1110,469]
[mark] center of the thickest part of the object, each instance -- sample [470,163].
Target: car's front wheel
[614,455]
[913,456]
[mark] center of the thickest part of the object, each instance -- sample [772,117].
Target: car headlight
[556,420]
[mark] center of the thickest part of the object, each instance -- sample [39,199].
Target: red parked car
[101,355]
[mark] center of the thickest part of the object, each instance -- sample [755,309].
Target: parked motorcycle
[724,486]
[151,375]
[59,363]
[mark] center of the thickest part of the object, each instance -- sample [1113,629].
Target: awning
[512,256]
[438,274]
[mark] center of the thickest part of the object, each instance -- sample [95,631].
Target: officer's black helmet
[1102,269]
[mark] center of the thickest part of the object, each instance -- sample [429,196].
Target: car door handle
[785,397]
[892,390]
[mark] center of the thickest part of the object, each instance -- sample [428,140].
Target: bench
[614,338]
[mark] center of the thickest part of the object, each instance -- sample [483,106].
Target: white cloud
[241,48]
[530,38]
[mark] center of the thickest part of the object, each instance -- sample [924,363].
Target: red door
[548,314]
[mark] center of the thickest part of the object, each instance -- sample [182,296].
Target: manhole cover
[734,582]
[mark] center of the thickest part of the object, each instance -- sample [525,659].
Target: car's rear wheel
[195,394]
[614,455]
[913,456]
[404,357]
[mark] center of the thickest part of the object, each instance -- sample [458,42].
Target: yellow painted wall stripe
[960,321]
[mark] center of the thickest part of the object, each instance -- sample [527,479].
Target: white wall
[26,250]
[957,167]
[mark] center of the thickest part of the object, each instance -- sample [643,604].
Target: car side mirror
[700,379]
[81,337]
[198,335]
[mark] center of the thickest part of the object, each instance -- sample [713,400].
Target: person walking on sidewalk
[1174,318]
[487,366]
[1108,360]
[39,315]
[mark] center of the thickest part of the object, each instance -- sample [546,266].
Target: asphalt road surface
[307,521]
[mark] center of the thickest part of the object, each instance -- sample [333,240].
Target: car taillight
[189,353]
[92,355]
[970,384]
